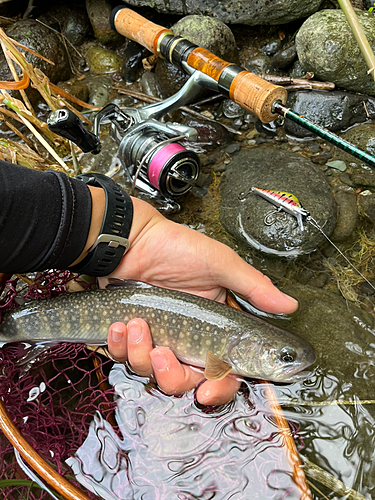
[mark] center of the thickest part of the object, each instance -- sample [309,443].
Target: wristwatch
[112,243]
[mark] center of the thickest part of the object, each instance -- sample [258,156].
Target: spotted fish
[284,201]
[201,332]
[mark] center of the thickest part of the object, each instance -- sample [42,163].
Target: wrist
[104,248]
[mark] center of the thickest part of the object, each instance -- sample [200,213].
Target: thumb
[241,277]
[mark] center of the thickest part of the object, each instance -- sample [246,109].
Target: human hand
[170,255]
[133,343]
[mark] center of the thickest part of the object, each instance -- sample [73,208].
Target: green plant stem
[357,30]
[9,483]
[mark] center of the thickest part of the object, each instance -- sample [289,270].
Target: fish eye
[287,354]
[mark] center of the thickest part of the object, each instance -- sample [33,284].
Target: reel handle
[65,123]
[244,88]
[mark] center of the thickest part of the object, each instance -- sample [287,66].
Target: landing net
[50,394]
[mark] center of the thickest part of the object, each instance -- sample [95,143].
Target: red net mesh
[51,397]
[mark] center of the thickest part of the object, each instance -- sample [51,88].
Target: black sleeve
[44,219]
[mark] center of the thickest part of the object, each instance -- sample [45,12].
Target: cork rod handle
[246,89]
[139,29]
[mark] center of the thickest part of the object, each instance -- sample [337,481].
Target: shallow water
[167,447]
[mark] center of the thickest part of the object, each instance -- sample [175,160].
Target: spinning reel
[149,150]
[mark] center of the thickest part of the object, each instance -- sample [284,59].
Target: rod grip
[257,95]
[246,89]
[139,29]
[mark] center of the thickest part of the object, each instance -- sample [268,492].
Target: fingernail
[159,362]
[291,299]
[135,333]
[117,335]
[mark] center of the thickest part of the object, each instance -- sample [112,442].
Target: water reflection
[169,448]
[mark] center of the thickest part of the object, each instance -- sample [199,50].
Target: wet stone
[347,213]
[327,46]
[103,61]
[99,12]
[366,204]
[255,221]
[363,136]
[335,110]
[232,148]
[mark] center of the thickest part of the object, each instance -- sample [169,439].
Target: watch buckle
[112,240]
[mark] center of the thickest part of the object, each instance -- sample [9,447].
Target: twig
[45,144]
[16,78]
[27,49]
[302,83]
[17,132]
[151,99]
[323,477]
[19,108]
[312,485]
[357,30]
[61,34]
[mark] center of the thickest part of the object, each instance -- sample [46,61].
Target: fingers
[173,377]
[236,274]
[134,343]
[219,392]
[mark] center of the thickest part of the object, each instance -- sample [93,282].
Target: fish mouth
[293,374]
[300,376]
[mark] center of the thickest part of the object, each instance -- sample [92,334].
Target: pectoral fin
[216,368]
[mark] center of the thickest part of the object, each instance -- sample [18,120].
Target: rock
[285,57]
[100,90]
[256,61]
[243,213]
[335,110]
[149,84]
[232,148]
[102,61]
[231,109]
[362,136]
[208,33]
[99,12]
[326,46]
[337,165]
[72,22]
[77,88]
[347,213]
[210,132]
[132,57]
[366,205]
[45,42]
[252,13]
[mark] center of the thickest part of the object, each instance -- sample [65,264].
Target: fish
[199,331]
[284,201]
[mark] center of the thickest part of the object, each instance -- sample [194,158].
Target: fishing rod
[262,98]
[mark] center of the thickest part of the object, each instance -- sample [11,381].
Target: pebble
[232,148]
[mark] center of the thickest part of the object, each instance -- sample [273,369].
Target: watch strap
[112,243]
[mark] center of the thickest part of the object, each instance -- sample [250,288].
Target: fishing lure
[291,204]
[284,201]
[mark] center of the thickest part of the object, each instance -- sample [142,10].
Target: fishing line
[313,222]
[291,205]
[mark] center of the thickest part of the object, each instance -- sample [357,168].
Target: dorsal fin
[116,283]
[216,368]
